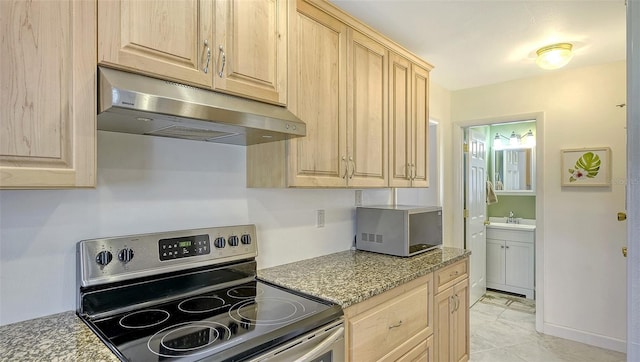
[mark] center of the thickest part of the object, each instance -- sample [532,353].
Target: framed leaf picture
[586,167]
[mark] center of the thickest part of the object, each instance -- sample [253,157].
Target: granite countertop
[350,277]
[345,278]
[58,337]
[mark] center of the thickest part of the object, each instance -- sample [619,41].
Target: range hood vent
[137,104]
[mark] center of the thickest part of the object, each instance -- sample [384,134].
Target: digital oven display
[182,247]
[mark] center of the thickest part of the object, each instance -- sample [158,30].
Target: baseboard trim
[586,337]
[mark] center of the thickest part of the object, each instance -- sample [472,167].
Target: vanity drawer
[450,275]
[525,236]
[382,329]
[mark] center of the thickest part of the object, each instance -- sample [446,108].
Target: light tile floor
[499,334]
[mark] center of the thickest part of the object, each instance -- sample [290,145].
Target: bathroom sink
[510,226]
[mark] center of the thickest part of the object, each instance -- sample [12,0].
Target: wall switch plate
[320,219]
[358,197]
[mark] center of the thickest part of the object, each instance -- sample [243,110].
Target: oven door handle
[320,348]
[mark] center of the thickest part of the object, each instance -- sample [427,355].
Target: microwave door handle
[320,348]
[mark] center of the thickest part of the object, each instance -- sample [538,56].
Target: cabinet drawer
[423,352]
[515,235]
[382,329]
[450,275]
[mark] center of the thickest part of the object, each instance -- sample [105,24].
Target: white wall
[584,272]
[148,184]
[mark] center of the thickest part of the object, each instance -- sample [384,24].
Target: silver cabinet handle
[453,304]
[346,167]
[395,325]
[353,167]
[206,66]
[413,171]
[457,302]
[224,60]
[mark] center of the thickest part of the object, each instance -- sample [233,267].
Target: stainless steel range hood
[133,103]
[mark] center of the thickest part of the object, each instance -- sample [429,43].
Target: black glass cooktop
[229,324]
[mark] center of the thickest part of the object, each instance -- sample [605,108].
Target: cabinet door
[166,38]
[48,98]
[495,261]
[399,121]
[250,49]
[460,322]
[317,76]
[367,111]
[519,266]
[443,321]
[451,317]
[420,126]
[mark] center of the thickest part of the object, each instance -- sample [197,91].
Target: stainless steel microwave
[400,230]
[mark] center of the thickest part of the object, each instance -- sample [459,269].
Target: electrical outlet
[358,197]
[320,218]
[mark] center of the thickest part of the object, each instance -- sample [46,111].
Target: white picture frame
[589,166]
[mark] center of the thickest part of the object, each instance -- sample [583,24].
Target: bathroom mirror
[514,171]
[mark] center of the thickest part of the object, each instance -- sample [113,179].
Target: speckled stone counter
[58,337]
[350,277]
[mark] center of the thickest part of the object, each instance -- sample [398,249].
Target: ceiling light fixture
[554,56]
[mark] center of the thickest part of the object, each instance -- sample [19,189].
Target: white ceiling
[476,42]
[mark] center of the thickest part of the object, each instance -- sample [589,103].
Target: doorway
[459,139]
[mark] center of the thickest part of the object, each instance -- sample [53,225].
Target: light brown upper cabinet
[366,122]
[317,84]
[317,76]
[408,123]
[241,50]
[164,38]
[48,100]
[338,87]
[367,113]
[251,49]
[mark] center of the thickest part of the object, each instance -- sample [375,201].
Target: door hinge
[465,213]
[465,147]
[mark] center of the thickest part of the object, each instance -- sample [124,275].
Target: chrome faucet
[511,220]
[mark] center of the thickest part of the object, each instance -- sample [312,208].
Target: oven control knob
[233,328]
[104,257]
[125,255]
[219,243]
[233,240]
[246,239]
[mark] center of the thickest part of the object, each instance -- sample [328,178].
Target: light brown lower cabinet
[426,320]
[451,313]
[394,326]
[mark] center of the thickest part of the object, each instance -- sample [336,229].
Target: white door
[633,175]
[475,203]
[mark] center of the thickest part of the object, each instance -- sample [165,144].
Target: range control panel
[108,260]
[169,249]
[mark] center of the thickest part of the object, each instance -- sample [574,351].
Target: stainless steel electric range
[193,295]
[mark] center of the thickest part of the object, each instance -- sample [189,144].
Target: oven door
[324,344]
